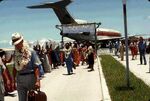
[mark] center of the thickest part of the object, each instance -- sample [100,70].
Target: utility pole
[126,42]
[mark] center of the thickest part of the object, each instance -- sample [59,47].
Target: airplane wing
[59,9]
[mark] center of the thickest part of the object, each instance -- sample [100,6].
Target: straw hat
[16,38]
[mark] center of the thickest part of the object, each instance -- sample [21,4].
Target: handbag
[37,95]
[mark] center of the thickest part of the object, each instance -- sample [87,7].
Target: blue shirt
[34,62]
[142,47]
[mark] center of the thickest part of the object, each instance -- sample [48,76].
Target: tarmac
[80,86]
[84,85]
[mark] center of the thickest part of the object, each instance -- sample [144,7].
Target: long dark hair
[2,52]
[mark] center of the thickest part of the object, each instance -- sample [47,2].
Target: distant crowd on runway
[138,46]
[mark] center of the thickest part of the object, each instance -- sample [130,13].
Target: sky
[36,24]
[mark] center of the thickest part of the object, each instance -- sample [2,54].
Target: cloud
[4,41]
[148,17]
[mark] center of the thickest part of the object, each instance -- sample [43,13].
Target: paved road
[81,86]
[84,85]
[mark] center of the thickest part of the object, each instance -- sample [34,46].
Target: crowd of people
[31,64]
[136,47]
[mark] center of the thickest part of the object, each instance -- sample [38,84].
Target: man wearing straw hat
[26,64]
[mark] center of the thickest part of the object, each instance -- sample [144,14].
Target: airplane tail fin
[59,9]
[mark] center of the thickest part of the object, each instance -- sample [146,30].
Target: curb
[104,88]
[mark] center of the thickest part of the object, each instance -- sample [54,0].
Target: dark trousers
[91,66]
[142,56]
[24,84]
[1,97]
[69,65]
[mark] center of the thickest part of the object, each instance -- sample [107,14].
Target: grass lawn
[115,76]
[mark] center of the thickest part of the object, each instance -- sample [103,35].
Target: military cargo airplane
[64,17]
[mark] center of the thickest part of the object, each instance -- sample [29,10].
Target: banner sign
[78,29]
